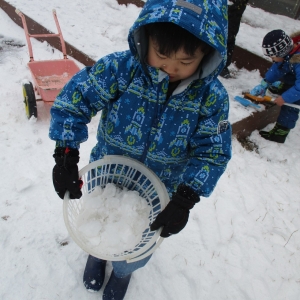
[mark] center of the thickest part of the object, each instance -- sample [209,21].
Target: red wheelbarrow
[49,76]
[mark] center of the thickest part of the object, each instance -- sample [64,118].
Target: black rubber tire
[29,100]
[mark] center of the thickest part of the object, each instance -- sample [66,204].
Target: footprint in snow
[23,184]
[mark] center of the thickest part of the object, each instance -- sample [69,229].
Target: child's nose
[170,69]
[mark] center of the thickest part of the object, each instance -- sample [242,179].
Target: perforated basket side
[124,172]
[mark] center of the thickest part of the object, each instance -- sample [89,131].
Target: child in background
[161,104]
[282,79]
[235,13]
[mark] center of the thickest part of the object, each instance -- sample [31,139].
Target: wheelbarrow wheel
[29,100]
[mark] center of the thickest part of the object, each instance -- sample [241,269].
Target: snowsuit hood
[295,59]
[184,137]
[207,20]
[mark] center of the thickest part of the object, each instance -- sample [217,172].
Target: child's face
[178,66]
[277,59]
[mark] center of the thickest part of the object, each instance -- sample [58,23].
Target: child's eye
[186,64]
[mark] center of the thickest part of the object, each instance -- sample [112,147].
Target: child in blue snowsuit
[161,104]
[283,79]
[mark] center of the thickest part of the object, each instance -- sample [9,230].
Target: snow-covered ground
[240,243]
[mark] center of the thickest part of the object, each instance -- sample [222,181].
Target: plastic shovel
[246,102]
[267,99]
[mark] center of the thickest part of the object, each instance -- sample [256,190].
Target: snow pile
[112,220]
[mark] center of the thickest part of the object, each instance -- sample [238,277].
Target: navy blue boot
[94,273]
[116,287]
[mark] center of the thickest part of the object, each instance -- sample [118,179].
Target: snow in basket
[126,176]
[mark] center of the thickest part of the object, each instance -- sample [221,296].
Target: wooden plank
[257,121]
[138,3]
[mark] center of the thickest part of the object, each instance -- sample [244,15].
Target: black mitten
[176,214]
[65,173]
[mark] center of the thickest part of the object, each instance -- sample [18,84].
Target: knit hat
[277,43]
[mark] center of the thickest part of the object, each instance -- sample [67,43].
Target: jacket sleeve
[293,94]
[210,144]
[275,73]
[88,92]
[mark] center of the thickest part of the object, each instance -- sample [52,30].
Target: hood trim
[295,59]
[184,83]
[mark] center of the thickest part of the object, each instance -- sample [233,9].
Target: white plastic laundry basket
[123,172]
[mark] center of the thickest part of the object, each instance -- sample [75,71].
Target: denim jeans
[288,116]
[122,268]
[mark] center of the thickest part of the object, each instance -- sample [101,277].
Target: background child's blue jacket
[288,72]
[185,138]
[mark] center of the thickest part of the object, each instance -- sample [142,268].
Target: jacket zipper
[154,124]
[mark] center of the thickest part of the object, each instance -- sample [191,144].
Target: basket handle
[147,253]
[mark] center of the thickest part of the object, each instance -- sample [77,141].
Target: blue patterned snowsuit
[185,138]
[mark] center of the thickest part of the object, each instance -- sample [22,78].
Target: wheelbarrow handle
[28,35]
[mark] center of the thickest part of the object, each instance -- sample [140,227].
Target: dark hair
[170,38]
